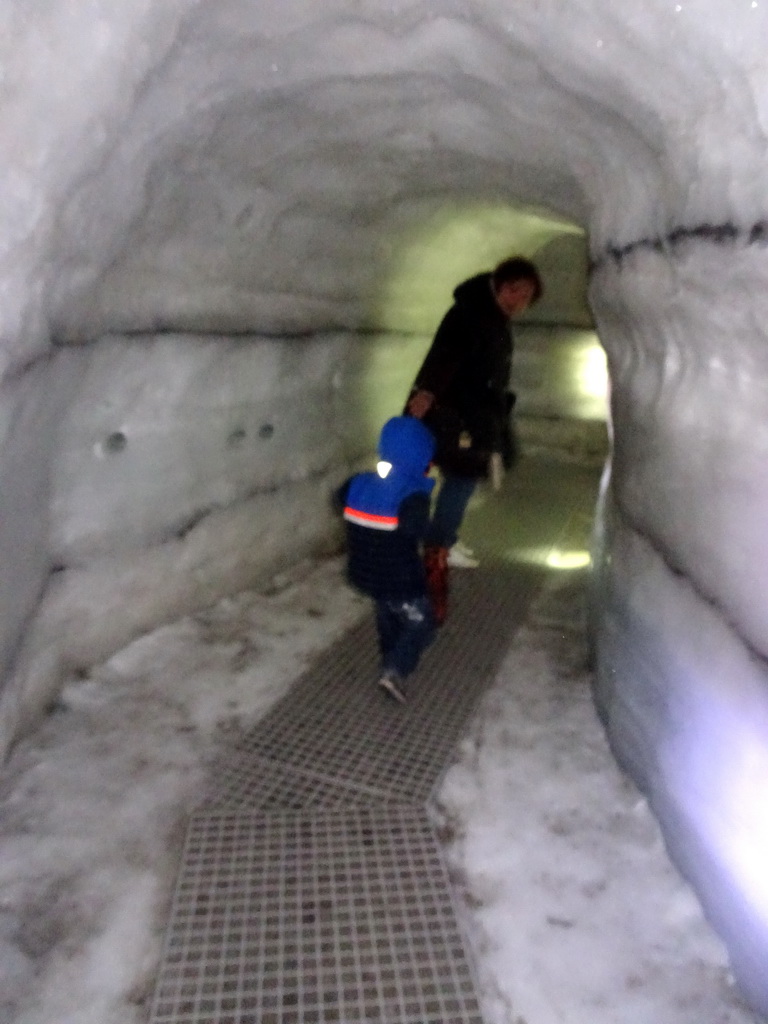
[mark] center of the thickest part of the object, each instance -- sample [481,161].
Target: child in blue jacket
[386,515]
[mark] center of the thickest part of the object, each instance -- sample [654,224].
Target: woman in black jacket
[462,391]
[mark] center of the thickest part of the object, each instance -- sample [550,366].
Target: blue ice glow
[723,765]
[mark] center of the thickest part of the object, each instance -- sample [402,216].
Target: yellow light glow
[591,370]
[576,558]
[567,559]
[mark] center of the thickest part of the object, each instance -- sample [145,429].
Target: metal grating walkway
[321,916]
[312,887]
[333,730]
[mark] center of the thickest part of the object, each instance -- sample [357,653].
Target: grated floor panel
[242,780]
[315,917]
[336,726]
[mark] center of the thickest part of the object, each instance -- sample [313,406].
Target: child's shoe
[392,685]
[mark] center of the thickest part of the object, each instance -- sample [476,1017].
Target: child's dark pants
[406,629]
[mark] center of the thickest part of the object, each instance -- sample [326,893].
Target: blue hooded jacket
[386,514]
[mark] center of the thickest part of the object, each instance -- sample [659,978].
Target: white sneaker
[462,557]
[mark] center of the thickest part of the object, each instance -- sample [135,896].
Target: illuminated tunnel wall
[204,219]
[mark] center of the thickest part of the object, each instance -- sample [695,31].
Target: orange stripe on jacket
[354,515]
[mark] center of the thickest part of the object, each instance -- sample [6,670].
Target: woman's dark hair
[518,268]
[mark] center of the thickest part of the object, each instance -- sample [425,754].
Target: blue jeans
[406,629]
[452,500]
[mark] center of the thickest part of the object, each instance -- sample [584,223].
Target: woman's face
[515,296]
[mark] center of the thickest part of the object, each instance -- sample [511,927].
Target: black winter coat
[467,369]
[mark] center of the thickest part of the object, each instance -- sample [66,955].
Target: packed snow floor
[570,902]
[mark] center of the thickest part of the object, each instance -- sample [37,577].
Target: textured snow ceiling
[223,167]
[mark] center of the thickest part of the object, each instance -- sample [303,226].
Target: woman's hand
[420,403]
[496,471]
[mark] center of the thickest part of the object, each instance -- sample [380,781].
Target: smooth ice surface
[163,430]
[573,909]
[182,468]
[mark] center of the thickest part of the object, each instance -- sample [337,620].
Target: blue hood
[407,444]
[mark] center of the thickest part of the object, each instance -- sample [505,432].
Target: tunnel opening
[559,365]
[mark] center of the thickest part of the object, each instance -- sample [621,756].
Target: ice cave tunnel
[224,223]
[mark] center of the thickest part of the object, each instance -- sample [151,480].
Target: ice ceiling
[203,210]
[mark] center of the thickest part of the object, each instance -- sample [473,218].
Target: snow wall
[225,229]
